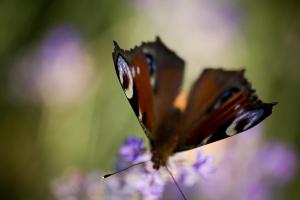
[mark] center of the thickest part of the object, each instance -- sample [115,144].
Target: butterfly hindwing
[221,104]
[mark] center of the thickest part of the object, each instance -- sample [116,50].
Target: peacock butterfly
[221,102]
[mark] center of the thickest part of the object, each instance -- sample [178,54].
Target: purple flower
[77,185]
[92,187]
[213,25]
[277,161]
[203,165]
[250,168]
[190,173]
[255,191]
[149,183]
[68,187]
[245,173]
[57,71]
[141,180]
[132,149]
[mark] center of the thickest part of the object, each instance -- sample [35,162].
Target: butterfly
[220,104]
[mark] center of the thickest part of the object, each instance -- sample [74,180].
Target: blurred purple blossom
[189,174]
[249,170]
[78,185]
[132,149]
[150,183]
[277,161]
[141,180]
[255,191]
[56,71]
[206,31]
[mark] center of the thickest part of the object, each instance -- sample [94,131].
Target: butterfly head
[161,151]
[160,154]
[158,160]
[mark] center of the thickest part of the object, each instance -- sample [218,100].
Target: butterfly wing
[133,74]
[166,71]
[221,104]
[151,76]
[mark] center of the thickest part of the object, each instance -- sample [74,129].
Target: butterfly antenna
[181,192]
[108,175]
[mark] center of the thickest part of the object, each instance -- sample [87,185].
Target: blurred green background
[60,101]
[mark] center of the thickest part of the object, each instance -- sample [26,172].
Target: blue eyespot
[229,93]
[151,63]
[224,97]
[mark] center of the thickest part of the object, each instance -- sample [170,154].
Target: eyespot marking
[244,121]
[151,63]
[152,68]
[225,96]
[125,77]
[206,140]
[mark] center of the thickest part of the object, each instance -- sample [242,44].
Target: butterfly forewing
[151,76]
[132,71]
[166,76]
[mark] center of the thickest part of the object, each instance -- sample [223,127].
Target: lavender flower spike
[132,149]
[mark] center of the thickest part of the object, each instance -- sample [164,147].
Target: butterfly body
[167,138]
[221,103]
